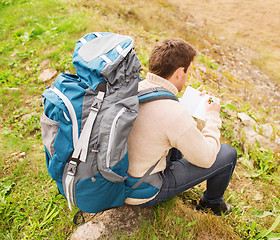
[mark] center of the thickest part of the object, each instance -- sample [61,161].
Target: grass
[186,223]
[30,206]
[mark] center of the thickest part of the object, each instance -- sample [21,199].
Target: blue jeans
[180,175]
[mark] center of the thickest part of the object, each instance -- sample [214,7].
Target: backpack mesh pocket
[49,132]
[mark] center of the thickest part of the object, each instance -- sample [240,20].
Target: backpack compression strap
[156,93]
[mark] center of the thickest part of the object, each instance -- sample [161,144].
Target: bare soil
[254,23]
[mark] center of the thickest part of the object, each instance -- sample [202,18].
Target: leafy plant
[210,63]
[5,188]
[267,233]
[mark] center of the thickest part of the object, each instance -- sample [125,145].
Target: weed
[210,63]
[264,161]
[5,189]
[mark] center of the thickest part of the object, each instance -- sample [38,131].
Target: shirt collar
[162,82]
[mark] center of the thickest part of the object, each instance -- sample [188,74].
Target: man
[165,124]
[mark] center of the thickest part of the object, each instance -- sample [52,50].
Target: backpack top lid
[96,55]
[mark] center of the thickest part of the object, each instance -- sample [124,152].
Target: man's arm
[199,148]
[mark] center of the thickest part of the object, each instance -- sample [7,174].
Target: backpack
[86,121]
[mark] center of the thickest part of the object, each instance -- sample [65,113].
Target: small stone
[191,24]
[8,88]
[202,69]
[47,75]
[277,139]
[22,154]
[89,231]
[45,63]
[258,196]
[246,120]
[49,51]
[27,116]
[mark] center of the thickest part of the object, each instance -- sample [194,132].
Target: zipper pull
[95,151]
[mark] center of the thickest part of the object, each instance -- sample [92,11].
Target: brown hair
[169,55]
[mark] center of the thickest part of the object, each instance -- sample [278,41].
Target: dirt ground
[254,23]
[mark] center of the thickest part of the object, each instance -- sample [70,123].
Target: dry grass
[254,23]
[177,219]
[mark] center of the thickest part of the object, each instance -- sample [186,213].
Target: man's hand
[213,103]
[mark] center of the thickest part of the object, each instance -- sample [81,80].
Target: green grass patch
[30,206]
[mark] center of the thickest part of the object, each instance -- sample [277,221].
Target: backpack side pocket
[49,133]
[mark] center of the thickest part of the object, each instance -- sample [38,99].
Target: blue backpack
[87,119]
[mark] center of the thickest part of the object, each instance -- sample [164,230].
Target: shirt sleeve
[198,147]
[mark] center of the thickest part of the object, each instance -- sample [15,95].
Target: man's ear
[181,71]
[178,73]
[176,78]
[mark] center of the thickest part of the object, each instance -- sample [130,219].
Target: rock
[8,88]
[246,120]
[19,156]
[258,196]
[192,25]
[252,137]
[22,154]
[202,69]
[124,219]
[277,139]
[47,75]
[266,130]
[45,63]
[27,116]
[91,230]
[49,51]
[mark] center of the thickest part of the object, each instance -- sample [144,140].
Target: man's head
[169,55]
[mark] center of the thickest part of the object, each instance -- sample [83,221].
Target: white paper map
[195,104]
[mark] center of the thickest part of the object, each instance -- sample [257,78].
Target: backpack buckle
[96,105]
[72,168]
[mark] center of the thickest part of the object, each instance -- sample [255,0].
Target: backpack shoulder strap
[156,93]
[149,95]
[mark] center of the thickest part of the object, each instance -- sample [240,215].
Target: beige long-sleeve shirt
[164,124]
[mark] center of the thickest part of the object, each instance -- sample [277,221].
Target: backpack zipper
[71,111]
[69,183]
[111,135]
